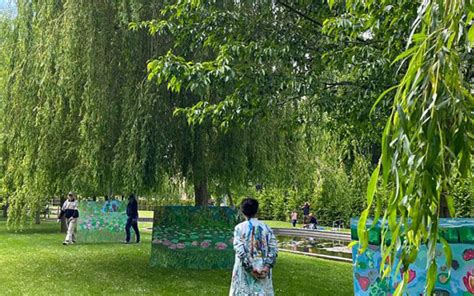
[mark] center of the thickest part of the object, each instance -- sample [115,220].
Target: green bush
[463,194]
[273,204]
[332,193]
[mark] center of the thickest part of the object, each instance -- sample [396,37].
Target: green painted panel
[101,221]
[193,237]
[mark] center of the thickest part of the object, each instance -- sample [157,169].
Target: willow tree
[72,68]
[79,115]
[5,42]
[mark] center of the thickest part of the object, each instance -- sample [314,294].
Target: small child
[294,218]
[69,210]
[256,251]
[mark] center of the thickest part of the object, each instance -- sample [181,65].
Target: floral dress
[255,246]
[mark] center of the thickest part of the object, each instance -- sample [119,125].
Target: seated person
[312,222]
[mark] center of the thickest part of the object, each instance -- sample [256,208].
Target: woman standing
[256,250]
[70,212]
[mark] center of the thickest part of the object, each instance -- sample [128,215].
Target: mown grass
[34,262]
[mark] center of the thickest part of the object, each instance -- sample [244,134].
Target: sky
[6,6]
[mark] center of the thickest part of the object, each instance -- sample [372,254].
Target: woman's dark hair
[249,207]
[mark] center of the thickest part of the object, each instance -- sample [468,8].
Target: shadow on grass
[46,227]
[127,268]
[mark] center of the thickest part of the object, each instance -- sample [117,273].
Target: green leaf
[371,188]
[470,36]
[405,54]
[447,252]
[331,3]
[450,203]
[401,286]
[382,96]
[351,244]
[431,278]
[362,230]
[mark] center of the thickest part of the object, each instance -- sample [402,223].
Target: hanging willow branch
[426,143]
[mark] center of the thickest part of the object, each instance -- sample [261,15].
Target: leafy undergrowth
[34,262]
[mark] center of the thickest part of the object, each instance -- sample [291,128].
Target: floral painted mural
[459,281]
[193,237]
[101,221]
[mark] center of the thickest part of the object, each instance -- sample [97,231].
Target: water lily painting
[193,237]
[101,221]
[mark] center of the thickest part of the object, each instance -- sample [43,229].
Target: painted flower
[195,243]
[166,242]
[221,246]
[411,275]
[180,246]
[364,282]
[157,241]
[468,254]
[205,244]
[172,246]
[469,282]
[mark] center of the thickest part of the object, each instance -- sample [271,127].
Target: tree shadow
[46,227]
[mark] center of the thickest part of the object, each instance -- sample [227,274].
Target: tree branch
[305,16]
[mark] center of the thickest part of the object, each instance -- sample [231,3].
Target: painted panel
[102,221]
[459,281]
[193,237]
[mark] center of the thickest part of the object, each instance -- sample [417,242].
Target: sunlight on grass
[145,214]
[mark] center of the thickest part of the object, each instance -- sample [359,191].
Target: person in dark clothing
[306,209]
[132,221]
[312,222]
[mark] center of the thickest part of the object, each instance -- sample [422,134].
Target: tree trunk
[5,208]
[200,172]
[231,201]
[443,207]
[63,219]
[201,193]
[38,217]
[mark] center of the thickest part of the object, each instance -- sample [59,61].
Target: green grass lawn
[145,214]
[281,224]
[34,262]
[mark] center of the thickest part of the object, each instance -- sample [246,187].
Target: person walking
[71,213]
[132,220]
[256,251]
